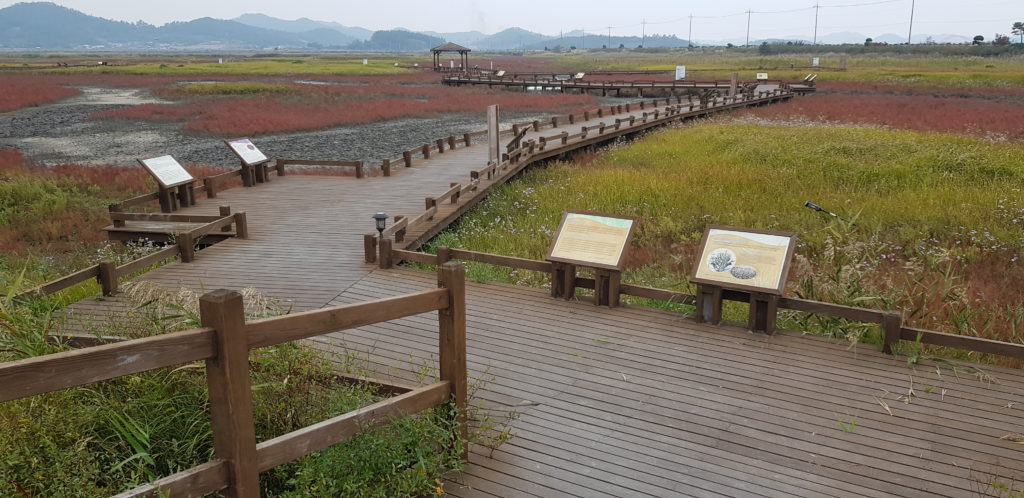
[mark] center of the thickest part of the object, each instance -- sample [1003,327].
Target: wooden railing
[891,322]
[357,166]
[224,342]
[521,152]
[107,273]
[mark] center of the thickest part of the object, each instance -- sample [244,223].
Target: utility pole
[689,37]
[910,31]
[817,7]
[748,28]
[583,39]
[609,37]
[643,33]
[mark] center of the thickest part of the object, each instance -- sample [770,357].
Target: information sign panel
[743,258]
[762,76]
[166,170]
[680,73]
[592,239]
[815,61]
[247,151]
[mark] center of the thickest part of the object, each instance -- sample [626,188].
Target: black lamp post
[381,219]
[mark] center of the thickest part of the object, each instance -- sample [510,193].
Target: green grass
[920,70]
[104,438]
[384,64]
[922,212]
[219,88]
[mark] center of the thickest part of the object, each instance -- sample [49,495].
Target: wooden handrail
[358,165]
[147,261]
[852,313]
[63,282]
[224,342]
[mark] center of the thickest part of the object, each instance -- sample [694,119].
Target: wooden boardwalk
[618,402]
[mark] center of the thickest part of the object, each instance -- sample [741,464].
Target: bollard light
[381,220]
[819,209]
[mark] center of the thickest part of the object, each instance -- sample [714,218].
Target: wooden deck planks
[730,419]
[615,402]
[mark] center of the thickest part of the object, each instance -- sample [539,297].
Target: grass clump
[106,437]
[230,88]
[919,212]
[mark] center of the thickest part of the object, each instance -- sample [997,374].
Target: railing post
[384,260]
[426,151]
[536,125]
[400,234]
[359,169]
[407,157]
[227,378]
[211,189]
[467,138]
[444,255]
[115,208]
[108,277]
[452,344]
[451,142]
[280,167]
[891,324]
[458,193]
[241,225]
[224,212]
[430,202]
[186,246]
[370,247]
[385,167]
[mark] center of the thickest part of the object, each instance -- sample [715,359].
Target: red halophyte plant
[16,95]
[922,113]
[249,116]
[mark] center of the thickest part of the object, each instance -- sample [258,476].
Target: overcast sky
[720,19]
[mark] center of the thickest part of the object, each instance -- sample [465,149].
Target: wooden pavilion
[451,47]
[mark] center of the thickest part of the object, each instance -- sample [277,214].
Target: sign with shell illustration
[746,259]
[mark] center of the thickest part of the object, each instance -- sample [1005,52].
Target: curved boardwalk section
[626,401]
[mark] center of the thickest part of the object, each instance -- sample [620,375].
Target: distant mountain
[470,39]
[398,40]
[27,25]
[48,25]
[44,25]
[302,25]
[511,38]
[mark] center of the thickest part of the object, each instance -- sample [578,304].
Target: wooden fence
[107,273]
[224,342]
[891,321]
[519,152]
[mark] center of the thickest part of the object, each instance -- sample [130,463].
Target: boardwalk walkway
[619,402]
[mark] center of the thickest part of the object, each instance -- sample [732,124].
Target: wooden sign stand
[590,240]
[709,304]
[253,170]
[175,185]
[770,252]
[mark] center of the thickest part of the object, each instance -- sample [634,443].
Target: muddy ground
[62,132]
